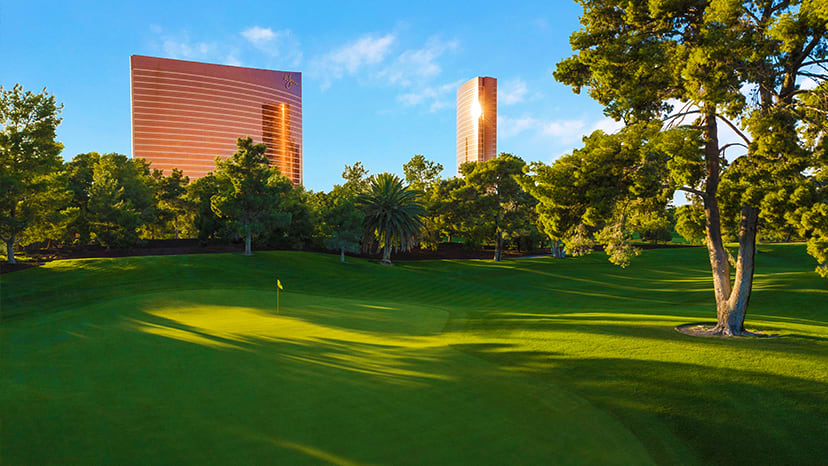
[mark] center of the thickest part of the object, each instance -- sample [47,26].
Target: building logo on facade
[289,82]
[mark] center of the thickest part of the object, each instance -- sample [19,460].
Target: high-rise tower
[477,120]
[185,114]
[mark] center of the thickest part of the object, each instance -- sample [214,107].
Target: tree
[250,191]
[79,172]
[421,173]
[393,215]
[208,225]
[446,211]
[173,209]
[121,200]
[29,158]
[298,233]
[506,207]
[607,190]
[690,222]
[341,217]
[356,178]
[637,57]
[342,223]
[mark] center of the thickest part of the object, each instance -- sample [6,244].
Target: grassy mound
[183,358]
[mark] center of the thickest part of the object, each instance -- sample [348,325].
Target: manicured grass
[183,360]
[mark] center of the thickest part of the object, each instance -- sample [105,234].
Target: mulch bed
[702,329]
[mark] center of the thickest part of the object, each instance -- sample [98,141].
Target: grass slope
[183,359]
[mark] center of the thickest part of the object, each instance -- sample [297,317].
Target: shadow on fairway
[686,413]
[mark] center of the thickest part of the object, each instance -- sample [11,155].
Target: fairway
[183,359]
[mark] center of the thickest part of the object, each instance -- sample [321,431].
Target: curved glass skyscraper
[185,114]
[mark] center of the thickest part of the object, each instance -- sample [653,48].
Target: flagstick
[277,300]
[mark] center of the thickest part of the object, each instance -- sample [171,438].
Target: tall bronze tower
[476,120]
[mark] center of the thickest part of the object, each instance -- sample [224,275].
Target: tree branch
[812,75]
[814,62]
[690,190]
[726,146]
[734,128]
[669,120]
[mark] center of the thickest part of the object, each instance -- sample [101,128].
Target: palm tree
[392,215]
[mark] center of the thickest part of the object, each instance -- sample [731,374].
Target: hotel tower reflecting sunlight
[476,121]
[185,114]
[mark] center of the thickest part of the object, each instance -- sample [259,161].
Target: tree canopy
[699,64]
[249,191]
[29,161]
[393,215]
[499,201]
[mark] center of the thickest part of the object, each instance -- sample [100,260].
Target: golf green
[184,359]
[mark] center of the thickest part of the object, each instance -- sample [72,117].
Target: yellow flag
[279,284]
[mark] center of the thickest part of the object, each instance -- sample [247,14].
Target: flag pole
[278,289]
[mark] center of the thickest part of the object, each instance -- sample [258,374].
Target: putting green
[184,359]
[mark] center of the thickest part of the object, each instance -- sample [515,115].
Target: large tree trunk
[247,249]
[557,249]
[713,225]
[498,255]
[10,250]
[731,319]
[386,255]
[719,264]
[731,302]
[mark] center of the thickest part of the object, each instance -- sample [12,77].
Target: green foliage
[121,200]
[616,244]
[340,216]
[580,242]
[393,215]
[451,207]
[421,174]
[499,205]
[79,172]
[731,62]
[250,192]
[609,188]
[30,189]
[356,178]
[174,213]
[298,233]
[199,197]
[690,223]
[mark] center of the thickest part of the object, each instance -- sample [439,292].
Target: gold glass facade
[185,114]
[476,120]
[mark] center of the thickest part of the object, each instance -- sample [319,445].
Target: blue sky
[379,79]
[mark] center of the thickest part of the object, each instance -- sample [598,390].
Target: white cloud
[436,97]
[282,45]
[232,60]
[258,35]
[565,130]
[512,92]
[417,64]
[608,125]
[183,48]
[509,127]
[349,58]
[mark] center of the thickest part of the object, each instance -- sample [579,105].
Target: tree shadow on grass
[724,416]
[656,329]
